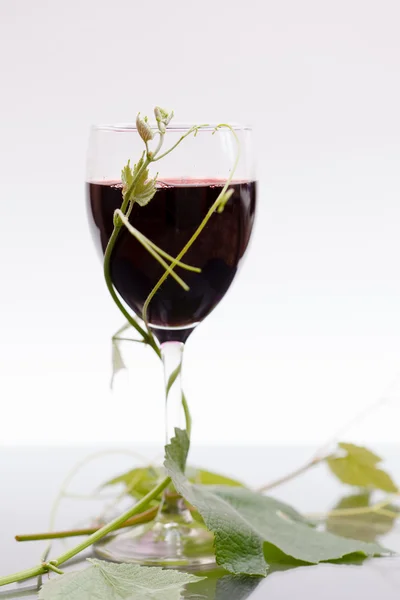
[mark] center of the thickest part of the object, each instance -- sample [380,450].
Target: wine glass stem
[172,354]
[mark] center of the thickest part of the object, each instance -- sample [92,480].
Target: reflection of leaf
[218,585]
[359,468]
[365,526]
[206,588]
[242,521]
[236,587]
[108,581]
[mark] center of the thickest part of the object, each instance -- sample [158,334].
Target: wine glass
[189,182]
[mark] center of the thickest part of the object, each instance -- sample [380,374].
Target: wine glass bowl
[184,222]
[169,220]
[188,183]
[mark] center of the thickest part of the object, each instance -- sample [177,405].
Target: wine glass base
[163,544]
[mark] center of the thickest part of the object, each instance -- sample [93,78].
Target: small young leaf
[144,188]
[366,526]
[146,191]
[144,128]
[359,468]
[127,177]
[236,587]
[118,363]
[117,360]
[163,117]
[108,581]
[243,521]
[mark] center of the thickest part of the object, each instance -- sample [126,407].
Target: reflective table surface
[31,478]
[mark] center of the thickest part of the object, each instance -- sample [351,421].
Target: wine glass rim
[176,127]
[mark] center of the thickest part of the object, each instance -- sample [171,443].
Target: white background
[309,334]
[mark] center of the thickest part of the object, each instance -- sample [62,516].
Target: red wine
[169,220]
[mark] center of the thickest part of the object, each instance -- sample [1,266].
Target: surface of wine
[169,220]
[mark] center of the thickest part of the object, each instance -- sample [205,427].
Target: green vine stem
[64,486]
[219,203]
[325,450]
[143,517]
[286,478]
[151,248]
[72,474]
[193,129]
[126,209]
[188,417]
[147,516]
[52,567]
[92,539]
[149,339]
[149,245]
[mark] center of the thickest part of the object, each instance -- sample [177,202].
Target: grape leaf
[142,480]
[209,478]
[108,581]
[236,587]
[359,468]
[243,521]
[139,481]
[366,526]
[362,454]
